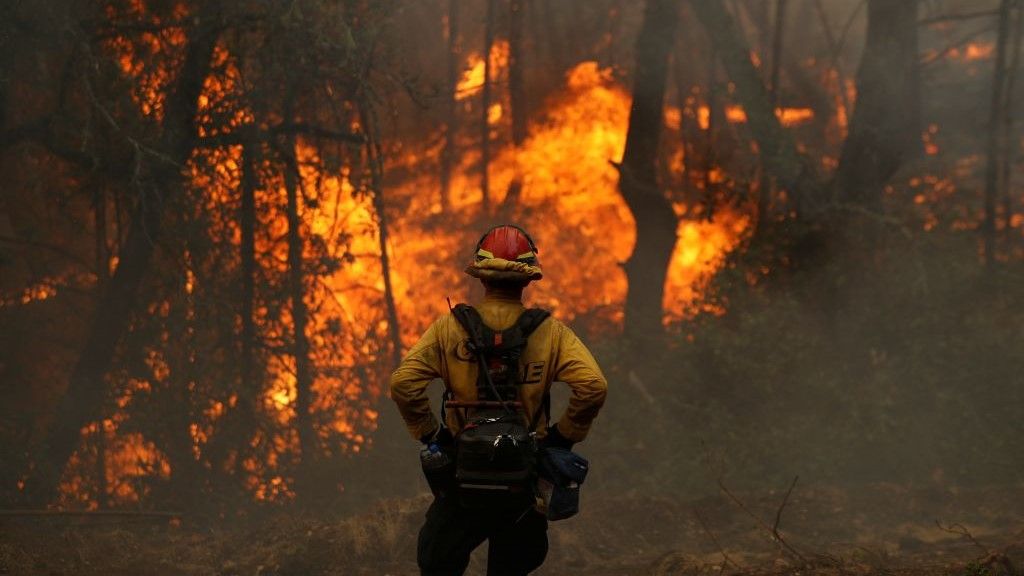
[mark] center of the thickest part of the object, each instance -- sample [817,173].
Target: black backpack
[496,452]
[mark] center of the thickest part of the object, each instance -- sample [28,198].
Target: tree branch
[772,530]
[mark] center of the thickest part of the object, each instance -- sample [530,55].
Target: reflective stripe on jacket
[553,354]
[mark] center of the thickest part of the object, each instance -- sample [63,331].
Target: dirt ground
[881,529]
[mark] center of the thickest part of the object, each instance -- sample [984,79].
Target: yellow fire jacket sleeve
[588,387]
[410,381]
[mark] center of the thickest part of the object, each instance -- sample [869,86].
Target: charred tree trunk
[300,343]
[102,274]
[300,315]
[777,39]
[760,12]
[452,112]
[684,140]
[247,248]
[238,423]
[885,123]
[656,221]
[709,134]
[1008,124]
[992,151]
[388,456]
[765,184]
[778,153]
[182,389]
[485,106]
[834,48]
[376,162]
[516,67]
[87,387]
[517,100]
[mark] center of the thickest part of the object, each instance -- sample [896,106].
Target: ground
[880,529]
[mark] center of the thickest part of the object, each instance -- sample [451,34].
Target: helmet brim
[499,269]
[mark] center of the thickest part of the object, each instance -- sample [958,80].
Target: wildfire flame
[471,82]
[569,200]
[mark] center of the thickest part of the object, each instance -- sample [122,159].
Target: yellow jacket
[553,353]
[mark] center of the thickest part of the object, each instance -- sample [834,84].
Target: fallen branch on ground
[990,557]
[773,530]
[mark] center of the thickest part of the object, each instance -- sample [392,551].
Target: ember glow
[472,80]
[137,55]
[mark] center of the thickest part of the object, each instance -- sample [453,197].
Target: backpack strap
[470,320]
[482,340]
[531,319]
[510,342]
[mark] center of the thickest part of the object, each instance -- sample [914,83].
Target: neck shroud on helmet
[505,255]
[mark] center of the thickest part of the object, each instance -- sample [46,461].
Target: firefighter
[505,262]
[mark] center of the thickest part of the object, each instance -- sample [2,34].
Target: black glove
[442,437]
[554,439]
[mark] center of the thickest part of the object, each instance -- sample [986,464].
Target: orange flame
[471,82]
[569,200]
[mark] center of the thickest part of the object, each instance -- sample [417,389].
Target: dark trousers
[517,539]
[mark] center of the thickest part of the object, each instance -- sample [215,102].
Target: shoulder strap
[514,338]
[480,338]
[481,335]
[531,319]
[470,320]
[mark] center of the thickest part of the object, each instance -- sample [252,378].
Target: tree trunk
[765,184]
[995,116]
[102,274]
[376,162]
[247,219]
[87,387]
[834,49]
[778,153]
[777,39]
[300,316]
[885,125]
[388,456]
[682,93]
[656,222]
[517,101]
[452,112]
[1008,122]
[236,426]
[709,134]
[485,130]
[760,13]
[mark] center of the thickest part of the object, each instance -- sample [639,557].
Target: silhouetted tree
[778,154]
[647,267]
[996,115]
[164,181]
[884,127]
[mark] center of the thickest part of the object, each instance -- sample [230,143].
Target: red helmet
[508,242]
